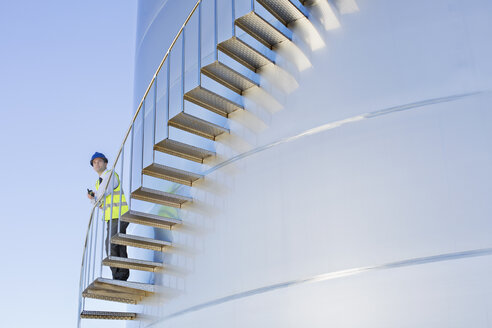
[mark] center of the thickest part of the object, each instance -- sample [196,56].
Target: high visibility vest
[116,200]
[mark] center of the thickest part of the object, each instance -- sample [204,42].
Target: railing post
[252,5]
[183,69]
[199,43]
[91,233]
[155,119]
[143,142]
[104,223]
[94,222]
[110,216]
[94,255]
[98,219]
[86,275]
[131,164]
[216,30]
[233,17]
[121,188]
[168,95]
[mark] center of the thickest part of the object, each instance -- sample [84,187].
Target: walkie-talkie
[90,192]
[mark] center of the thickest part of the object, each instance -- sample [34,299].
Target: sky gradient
[66,87]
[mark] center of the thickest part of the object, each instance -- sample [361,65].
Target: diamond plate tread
[211,101]
[112,296]
[243,53]
[284,10]
[141,242]
[138,288]
[159,197]
[108,315]
[228,77]
[171,174]
[152,220]
[195,125]
[183,150]
[117,291]
[132,264]
[260,29]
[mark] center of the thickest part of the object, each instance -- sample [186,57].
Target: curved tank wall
[158,21]
[356,195]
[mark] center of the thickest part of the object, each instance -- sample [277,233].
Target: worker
[112,197]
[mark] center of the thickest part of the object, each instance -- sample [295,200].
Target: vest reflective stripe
[116,204]
[116,201]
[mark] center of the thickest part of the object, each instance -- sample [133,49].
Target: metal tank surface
[354,189]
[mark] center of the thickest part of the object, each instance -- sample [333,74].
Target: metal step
[211,101]
[118,290]
[160,197]
[260,29]
[112,296]
[152,220]
[183,150]
[197,126]
[284,10]
[228,77]
[108,315]
[133,264]
[125,286]
[141,242]
[171,174]
[243,53]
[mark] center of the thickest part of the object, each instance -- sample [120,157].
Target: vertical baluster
[233,17]
[168,90]
[86,275]
[199,43]
[121,187]
[94,222]
[131,164]
[110,215]
[216,30]
[155,119]
[183,68]
[143,141]
[102,240]
[88,259]
[105,226]
[91,232]
[81,289]
[94,247]
[252,5]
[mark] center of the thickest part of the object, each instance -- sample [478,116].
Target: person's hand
[90,194]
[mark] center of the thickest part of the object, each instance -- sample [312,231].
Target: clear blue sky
[66,88]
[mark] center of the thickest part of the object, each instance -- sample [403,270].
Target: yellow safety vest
[116,200]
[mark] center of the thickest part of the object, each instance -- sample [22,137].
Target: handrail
[126,137]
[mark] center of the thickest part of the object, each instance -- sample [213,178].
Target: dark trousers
[117,250]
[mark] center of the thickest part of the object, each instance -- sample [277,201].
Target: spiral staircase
[259,36]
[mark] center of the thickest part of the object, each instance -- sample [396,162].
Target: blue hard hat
[98,155]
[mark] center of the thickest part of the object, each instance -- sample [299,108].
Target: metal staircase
[267,22]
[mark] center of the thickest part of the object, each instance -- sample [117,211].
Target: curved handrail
[126,137]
